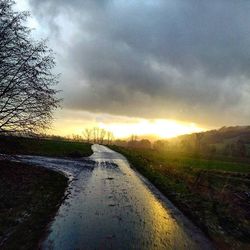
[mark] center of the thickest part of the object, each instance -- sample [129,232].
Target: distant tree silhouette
[198,138]
[76,137]
[158,145]
[98,135]
[110,137]
[161,145]
[87,134]
[95,134]
[133,141]
[144,143]
[133,138]
[102,135]
[27,97]
[235,149]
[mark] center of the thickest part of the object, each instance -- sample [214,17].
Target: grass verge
[215,195]
[36,146]
[29,197]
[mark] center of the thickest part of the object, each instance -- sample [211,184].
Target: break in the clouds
[186,60]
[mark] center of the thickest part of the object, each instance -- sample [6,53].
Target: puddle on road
[70,168]
[110,206]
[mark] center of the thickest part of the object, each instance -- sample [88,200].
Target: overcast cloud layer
[186,60]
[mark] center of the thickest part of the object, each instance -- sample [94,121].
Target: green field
[183,161]
[36,146]
[214,194]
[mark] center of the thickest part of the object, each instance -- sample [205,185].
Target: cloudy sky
[148,61]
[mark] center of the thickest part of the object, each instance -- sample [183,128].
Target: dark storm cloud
[156,59]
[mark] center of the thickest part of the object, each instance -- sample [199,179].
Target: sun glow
[69,122]
[160,128]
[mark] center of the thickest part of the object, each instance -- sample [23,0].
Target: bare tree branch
[27,94]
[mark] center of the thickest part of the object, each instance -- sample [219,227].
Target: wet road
[110,206]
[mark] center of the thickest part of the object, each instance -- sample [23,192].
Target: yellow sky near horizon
[74,122]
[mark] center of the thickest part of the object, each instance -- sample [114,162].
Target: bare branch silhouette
[27,96]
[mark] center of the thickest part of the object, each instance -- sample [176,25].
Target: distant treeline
[226,141]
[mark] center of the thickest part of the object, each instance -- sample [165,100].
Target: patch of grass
[184,161]
[214,194]
[29,197]
[36,146]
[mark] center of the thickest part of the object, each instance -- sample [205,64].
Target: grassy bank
[36,146]
[214,194]
[29,197]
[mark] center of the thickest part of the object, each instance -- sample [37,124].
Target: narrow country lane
[110,206]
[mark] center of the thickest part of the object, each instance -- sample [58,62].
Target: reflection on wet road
[110,206]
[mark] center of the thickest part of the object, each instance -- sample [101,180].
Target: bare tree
[76,137]
[87,134]
[98,135]
[133,141]
[27,97]
[110,137]
[134,138]
[96,132]
[102,135]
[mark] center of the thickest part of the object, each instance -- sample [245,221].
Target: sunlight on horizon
[162,128]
